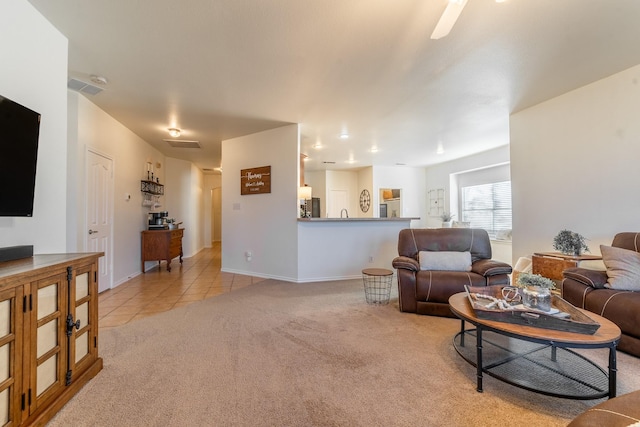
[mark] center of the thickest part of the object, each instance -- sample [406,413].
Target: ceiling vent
[84,87]
[177,143]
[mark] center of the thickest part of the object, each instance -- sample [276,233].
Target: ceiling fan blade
[448,18]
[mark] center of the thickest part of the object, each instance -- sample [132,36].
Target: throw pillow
[623,268]
[445,260]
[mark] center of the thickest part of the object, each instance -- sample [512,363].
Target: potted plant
[535,291]
[570,243]
[446,218]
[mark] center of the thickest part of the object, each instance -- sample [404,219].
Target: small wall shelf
[151,187]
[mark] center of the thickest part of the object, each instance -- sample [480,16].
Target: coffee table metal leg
[612,371]
[554,352]
[461,333]
[479,357]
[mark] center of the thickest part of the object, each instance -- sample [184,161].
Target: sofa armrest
[406,263]
[489,267]
[586,276]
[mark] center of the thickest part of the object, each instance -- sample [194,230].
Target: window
[488,206]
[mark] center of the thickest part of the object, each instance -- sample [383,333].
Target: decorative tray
[562,317]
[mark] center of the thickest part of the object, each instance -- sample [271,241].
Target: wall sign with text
[255,180]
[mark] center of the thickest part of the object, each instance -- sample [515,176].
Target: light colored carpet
[285,354]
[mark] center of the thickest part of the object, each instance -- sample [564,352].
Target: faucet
[345,212]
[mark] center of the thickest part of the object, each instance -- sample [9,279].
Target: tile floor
[158,290]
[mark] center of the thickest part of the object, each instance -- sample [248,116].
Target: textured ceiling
[219,69]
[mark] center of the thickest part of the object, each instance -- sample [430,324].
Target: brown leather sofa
[620,411]
[584,288]
[428,291]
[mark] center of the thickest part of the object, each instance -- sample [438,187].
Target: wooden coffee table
[536,359]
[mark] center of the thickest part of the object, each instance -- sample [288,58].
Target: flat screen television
[19,132]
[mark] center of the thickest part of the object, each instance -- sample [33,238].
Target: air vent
[84,87]
[181,143]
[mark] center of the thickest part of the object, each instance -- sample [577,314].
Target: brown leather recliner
[621,411]
[584,288]
[428,291]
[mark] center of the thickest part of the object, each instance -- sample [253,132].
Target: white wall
[414,193]
[439,176]
[91,127]
[443,176]
[265,224]
[34,73]
[574,165]
[184,200]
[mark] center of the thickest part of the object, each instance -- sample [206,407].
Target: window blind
[488,206]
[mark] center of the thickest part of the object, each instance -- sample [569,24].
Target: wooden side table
[552,264]
[158,245]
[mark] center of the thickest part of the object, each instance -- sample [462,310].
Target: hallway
[158,290]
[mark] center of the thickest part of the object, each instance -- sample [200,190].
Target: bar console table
[552,264]
[158,245]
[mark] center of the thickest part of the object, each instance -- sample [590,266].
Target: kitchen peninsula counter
[340,248]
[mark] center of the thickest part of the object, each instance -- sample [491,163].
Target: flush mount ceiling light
[98,79]
[174,132]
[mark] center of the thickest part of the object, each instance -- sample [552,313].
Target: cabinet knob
[71,324]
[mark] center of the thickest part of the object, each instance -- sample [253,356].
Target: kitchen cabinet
[158,245]
[48,334]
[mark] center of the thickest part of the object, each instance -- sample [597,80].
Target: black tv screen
[19,131]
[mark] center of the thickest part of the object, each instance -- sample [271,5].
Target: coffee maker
[158,220]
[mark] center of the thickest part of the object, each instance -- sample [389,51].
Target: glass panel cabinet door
[48,343]
[10,353]
[83,291]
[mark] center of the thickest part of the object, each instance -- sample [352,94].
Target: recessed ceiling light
[174,132]
[344,135]
[440,149]
[374,149]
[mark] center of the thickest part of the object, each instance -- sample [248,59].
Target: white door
[337,202]
[99,232]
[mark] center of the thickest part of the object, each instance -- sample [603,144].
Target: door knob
[93,231]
